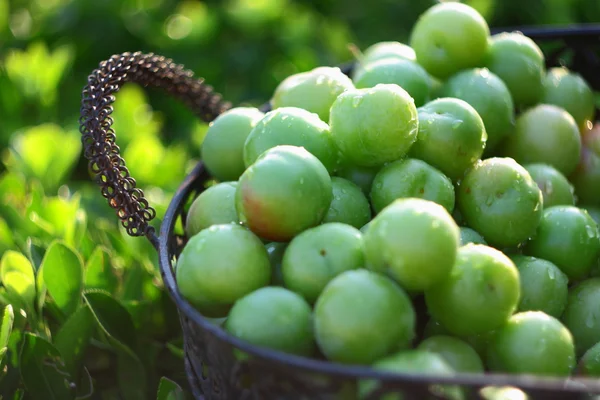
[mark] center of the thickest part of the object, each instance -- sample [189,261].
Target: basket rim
[524,382]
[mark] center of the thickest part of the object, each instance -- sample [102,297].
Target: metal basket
[215,369]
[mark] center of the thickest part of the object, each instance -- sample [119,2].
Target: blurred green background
[52,217]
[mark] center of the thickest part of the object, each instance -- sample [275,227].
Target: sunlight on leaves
[16,274]
[37,71]
[45,152]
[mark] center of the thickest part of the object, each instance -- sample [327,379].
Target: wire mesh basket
[214,363]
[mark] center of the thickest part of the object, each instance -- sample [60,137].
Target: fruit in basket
[212,277]
[468,235]
[457,353]
[545,134]
[362,316]
[532,343]
[313,90]
[589,364]
[360,176]
[480,294]
[543,286]
[273,317]
[498,199]
[410,177]
[405,73]
[223,146]
[570,91]
[555,187]
[286,191]
[214,206]
[317,255]
[568,237]
[586,177]
[400,238]
[374,126]
[449,37]
[349,204]
[295,127]
[275,250]
[582,314]
[490,97]
[387,50]
[420,362]
[519,62]
[451,136]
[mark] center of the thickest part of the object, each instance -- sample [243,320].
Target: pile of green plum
[454,172]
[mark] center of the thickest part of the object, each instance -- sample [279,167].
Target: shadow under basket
[218,365]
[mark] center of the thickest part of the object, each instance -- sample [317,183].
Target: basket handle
[98,137]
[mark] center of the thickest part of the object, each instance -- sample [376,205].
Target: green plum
[360,176]
[220,265]
[286,191]
[405,73]
[314,90]
[451,136]
[349,205]
[534,343]
[214,206]
[582,314]
[544,287]
[223,147]
[374,126]
[421,362]
[388,49]
[499,199]
[555,187]
[362,316]
[519,62]
[589,364]
[490,97]
[400,238]
[273,317]
[457,353]
[468,235]
[317,255]
[545,134]
[276,250]
[568,237]
[480,294]
[450,37]
[571,92]
[296,127]
[586,177]
[411,178]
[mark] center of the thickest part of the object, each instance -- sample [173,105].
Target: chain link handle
[98,137]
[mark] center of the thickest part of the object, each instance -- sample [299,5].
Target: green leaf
[169,390]
[131,376]
[45,152]
[73,338]
[116,323]
[62,272]
[5,329]
[43,371]
[99,273]
[8,318]
[16,274]
[112,317]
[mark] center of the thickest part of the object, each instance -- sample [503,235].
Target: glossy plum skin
[374,126]
[450,37]
[286,191]
[451,138]
[499,199]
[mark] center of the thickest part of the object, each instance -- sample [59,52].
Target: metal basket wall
[218,365]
